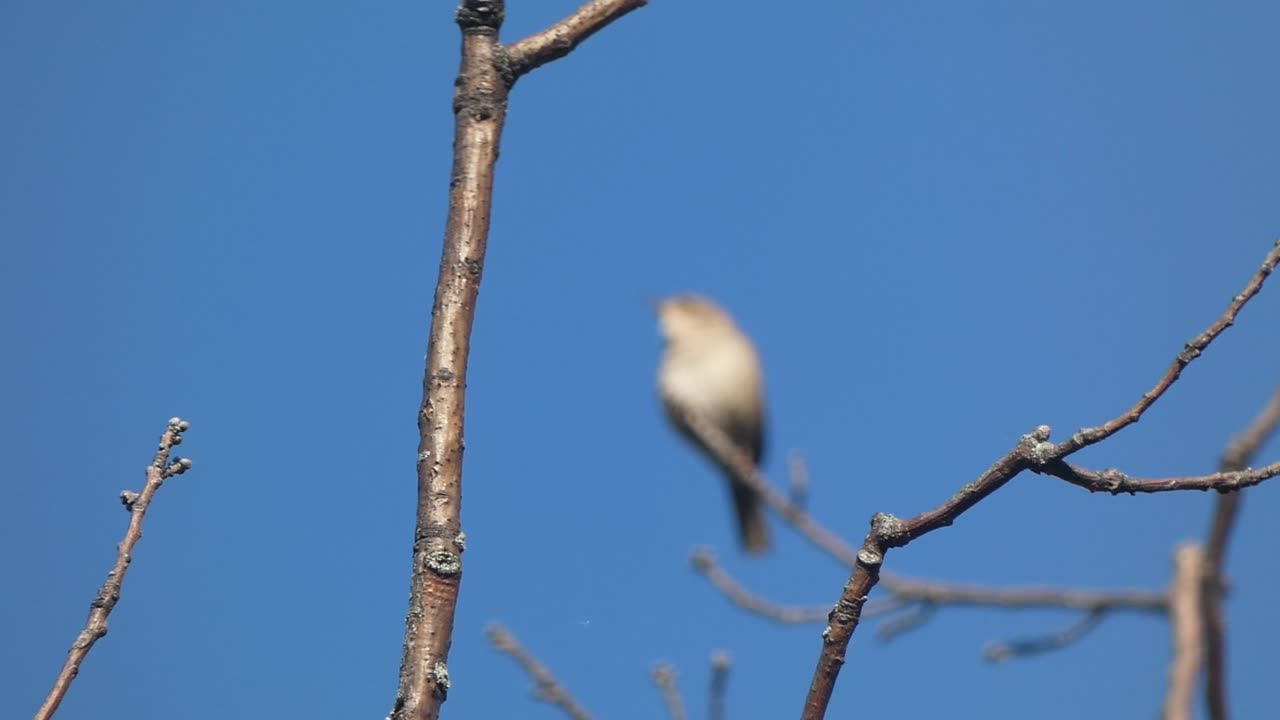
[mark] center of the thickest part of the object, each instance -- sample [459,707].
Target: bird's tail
[752,530]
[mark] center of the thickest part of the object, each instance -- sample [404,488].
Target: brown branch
[1192,350]
[1115,482]
[546,688]
[664,676]
[720,664]
[479,104]
[1184,622]
[95,627]
[705,565]
[1032,450]
[1002,651]
[1238,455]
[560,39]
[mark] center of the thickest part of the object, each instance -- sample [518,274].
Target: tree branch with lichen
[486,73]
[161,468]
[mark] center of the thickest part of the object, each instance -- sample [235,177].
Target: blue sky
[944,223]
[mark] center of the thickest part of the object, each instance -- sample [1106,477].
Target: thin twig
[1002,651]
[95,627]
[1184,624]
[664,676]
[1115,482]
[484,80]
[560,39]
[704,563]
[1238,455]
[720,665]
[546,688]
[1032,450]
[1192,350]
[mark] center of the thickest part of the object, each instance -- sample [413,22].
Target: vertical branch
[664,676]
[485,76]
[95,627]
[720,664]
[479,105]
[1238,456]
[1184,623]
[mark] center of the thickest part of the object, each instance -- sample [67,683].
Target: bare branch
[1026,598]
[720,664]
[480,95]
[664,676]
[912,617]
[1238,456]
[1184,622]
[545,687]
[746,472]
[1115,482]
[704,563]
[1000,652]
[1194,347]
[1032,450]
[560,39]
[95,627]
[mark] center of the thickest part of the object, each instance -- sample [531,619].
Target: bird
[710,367]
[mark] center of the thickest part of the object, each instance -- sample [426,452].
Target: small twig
[1115,482]
[1002,651]
[798,472]
[914,616]
[1032,450]
[1238,455]
[746,472]
[720,665]
[664,676]
[704,563]
[1192,350]
[545,688]
[560,39]
[1184,622]
[95,627]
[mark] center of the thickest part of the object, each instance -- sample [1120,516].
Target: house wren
[709,367]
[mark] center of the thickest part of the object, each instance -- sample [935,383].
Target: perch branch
[664,676]
[1032,450]
[95,627]
[1238,455]
[546,688]
[479,105]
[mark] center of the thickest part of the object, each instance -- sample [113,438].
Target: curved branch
[95,627]
[1000,652]
[1032,450]
[1192,350]
[1238,456]
[545,686]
